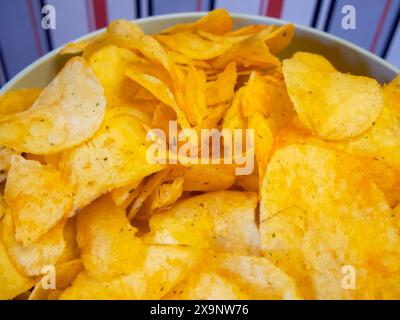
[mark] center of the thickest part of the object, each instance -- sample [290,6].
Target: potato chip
[161,91]
[331,104]
[346,222]
[67,113]
[37,197]
[223,88]
[114,157]
[71,249]
[158,271]
[18,100]
[263,140]
[195,96]
[278,39]
[106,239]
[78,47]
[223,220]
[391,93]
[30,260]
[194,46]
[109,65]
[208,177]
[234,118]
[217,21]
[252,51]
[122,194]
[65,273]
[5,158]
[12,281]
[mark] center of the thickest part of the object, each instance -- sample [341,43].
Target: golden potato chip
[5,158]
[161,91]
[67,113]
[18,100]
[280,38]
[195,96]
[71,249]
[12,281]
[252,51]
[391,93]
[78,47]
[122,194]
[106,239]
[263,140]
[223,88]
[37,196]
[65,273]
[331,104]
[217,21]
[193,46]
[30,260]
[208,177]
[161,268]
[224,220]
[109,64]
[342,219]
[114,157]
[234,118]
[249,182]
[204,283]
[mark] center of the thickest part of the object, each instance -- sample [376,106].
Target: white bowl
[346,56]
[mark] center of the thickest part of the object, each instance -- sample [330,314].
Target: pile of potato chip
[79,196]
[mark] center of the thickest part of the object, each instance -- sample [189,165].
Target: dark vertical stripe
[381,23]
[150,7]
[316,13]
[100,13]
[392,32]
[3,65]
[212,5]
[138,9]
[49,39]
[274,8]
[331,10]
[35,28]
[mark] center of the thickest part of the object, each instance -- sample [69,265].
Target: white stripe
[300,12]
[393,55]
[323,14]
[121,9]
[239,6]
[71,20]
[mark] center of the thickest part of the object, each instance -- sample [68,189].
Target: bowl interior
[344,55]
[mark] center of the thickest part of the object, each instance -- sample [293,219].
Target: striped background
[22,40]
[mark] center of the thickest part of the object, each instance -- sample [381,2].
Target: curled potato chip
[252,51]
[208,177]
[346,222]
[234,118]
[122,194]
[65,273]
[18,100]
[279,39]
[67,113]
[217,21]
[114,157]
[109,65]
[195,96]
[30,260]
[223,88]
[161,268]
[222,220]
[263,140]
[5,159]
[331,104]
[193,46]
[71,249]
[106,239]
[12,281]
[37,197]
[161,91]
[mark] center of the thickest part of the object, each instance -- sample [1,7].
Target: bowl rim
[173,16]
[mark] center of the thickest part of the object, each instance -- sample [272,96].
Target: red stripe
[198,5]
[378,30]
[100,13]
[274,8]
[34,25]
